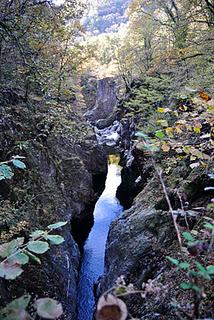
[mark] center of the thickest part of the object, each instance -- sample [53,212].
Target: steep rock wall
[140,239]
[106,100]
[58,185]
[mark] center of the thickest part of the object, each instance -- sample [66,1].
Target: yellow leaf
[197,129]
[163,110]
[165,147]
[186,149]
[183,108]
[178,129]
[181,122]
[169,132]
[189,127]
[211,109]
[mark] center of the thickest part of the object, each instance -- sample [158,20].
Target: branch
[159,173]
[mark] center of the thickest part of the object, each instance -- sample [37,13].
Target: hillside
[106,16]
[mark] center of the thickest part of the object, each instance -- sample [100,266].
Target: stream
[92,266]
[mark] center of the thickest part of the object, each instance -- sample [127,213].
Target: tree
[35,43]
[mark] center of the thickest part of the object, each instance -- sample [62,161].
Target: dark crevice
[132,184]
[98,181]
[81,227]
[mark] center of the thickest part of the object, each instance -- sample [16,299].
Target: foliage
[196,271]
[174,38]
[45,308]
[5,169]
[37,46]
[17,252]
[175,129]
[105,16]
[15,255]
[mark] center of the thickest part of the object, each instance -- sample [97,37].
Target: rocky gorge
[66,157]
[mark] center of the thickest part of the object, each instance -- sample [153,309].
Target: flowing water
[107,209]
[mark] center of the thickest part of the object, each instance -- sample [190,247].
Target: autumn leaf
[165,147]
[163,110]
[169,132]
[110,307]
[183,108]
[204,96]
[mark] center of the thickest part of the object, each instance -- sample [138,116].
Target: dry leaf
[204,96]
[110,307]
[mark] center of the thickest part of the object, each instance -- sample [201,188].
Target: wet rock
[105,101]
[109,136]
[104,123]
[135,249]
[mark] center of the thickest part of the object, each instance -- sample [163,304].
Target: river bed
[92,266]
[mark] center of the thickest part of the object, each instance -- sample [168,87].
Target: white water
[107,209]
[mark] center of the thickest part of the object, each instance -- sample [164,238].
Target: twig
[182,208]
[159,173]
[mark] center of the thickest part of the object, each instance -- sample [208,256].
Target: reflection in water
[106,210]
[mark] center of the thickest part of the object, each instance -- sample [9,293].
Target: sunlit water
[107,209]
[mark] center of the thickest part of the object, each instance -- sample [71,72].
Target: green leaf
[209,226]
[38,247]
[19,164]
[37,234]
[186,286]
[10,270]
[20,303]
[202,271]
[172,260]
[8,248]
[159,134]
[57,225]
[16,309]
[210,269]
[196,288]
[184,265]
[32,257]
[20,258]
[48,308]
[200,267]
[55,239]
[188,236]
[5,172]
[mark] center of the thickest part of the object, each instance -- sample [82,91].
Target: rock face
[105,102]
[63,164]
[136,247]
[142,236]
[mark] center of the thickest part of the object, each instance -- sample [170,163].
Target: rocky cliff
[141,238]
[143,235]
[60,184]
